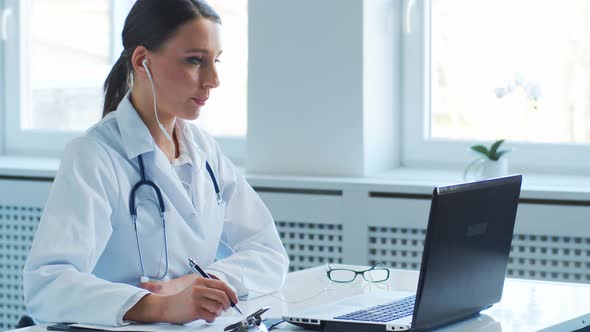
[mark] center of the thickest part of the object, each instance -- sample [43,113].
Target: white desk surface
[525,305]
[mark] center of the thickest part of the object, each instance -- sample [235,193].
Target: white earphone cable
[144,63]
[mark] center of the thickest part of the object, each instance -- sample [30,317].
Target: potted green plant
[490,164]
[492,153]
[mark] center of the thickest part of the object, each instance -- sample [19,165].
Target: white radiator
[21,203]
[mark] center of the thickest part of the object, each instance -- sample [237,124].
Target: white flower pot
[485,169]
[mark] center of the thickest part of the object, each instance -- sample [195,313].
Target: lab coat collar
[137,139]
[135,135]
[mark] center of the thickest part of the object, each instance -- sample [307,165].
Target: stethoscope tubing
[133,213]
[215,186]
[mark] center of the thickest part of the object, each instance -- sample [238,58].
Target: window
[66,64]
[225,114]
[490,69]
[59,52]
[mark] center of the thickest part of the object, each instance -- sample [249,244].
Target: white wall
[381,87]
[322,71]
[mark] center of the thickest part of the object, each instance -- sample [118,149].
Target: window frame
[4,12]
[36,142]
[418,150]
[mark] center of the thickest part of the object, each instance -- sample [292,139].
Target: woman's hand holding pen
[200,299]
[206,299]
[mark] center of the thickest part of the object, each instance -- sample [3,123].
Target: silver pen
[197,269]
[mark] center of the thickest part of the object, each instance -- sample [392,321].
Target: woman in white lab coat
[87,258]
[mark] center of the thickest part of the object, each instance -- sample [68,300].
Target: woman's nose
[211,79]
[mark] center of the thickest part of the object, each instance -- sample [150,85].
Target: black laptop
[463,266]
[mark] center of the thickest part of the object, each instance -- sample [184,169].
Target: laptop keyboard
[384,312]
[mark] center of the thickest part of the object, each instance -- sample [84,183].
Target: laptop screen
[466,250]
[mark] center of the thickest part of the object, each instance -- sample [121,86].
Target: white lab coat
[84,264]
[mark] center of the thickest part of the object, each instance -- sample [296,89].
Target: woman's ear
[137,58]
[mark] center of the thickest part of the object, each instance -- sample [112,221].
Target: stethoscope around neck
[133,212]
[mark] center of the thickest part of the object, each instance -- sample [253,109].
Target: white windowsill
[402,180]
[34,167]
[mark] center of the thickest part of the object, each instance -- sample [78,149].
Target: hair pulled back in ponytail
[116,84]
[150,23]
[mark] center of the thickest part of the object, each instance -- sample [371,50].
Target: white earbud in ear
[144,64]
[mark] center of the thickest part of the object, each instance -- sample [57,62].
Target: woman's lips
[199,101]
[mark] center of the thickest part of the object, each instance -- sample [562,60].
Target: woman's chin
[195,114]
[192,114]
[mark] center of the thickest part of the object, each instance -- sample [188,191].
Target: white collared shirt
[183,165]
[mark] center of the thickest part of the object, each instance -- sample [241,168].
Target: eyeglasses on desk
[379,272]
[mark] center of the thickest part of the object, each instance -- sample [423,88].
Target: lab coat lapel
[135,136]
[197,156]
[164,176]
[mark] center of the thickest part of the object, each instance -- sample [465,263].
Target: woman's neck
[144,104]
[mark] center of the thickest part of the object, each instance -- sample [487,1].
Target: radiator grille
[558,258]
[541,257]
[17,229]
[311,244]
[397,247]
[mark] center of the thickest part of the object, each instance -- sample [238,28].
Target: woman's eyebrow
[197,50]
[200,50]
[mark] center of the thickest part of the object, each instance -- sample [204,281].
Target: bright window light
[513,69]
[226,112]
[67,64]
